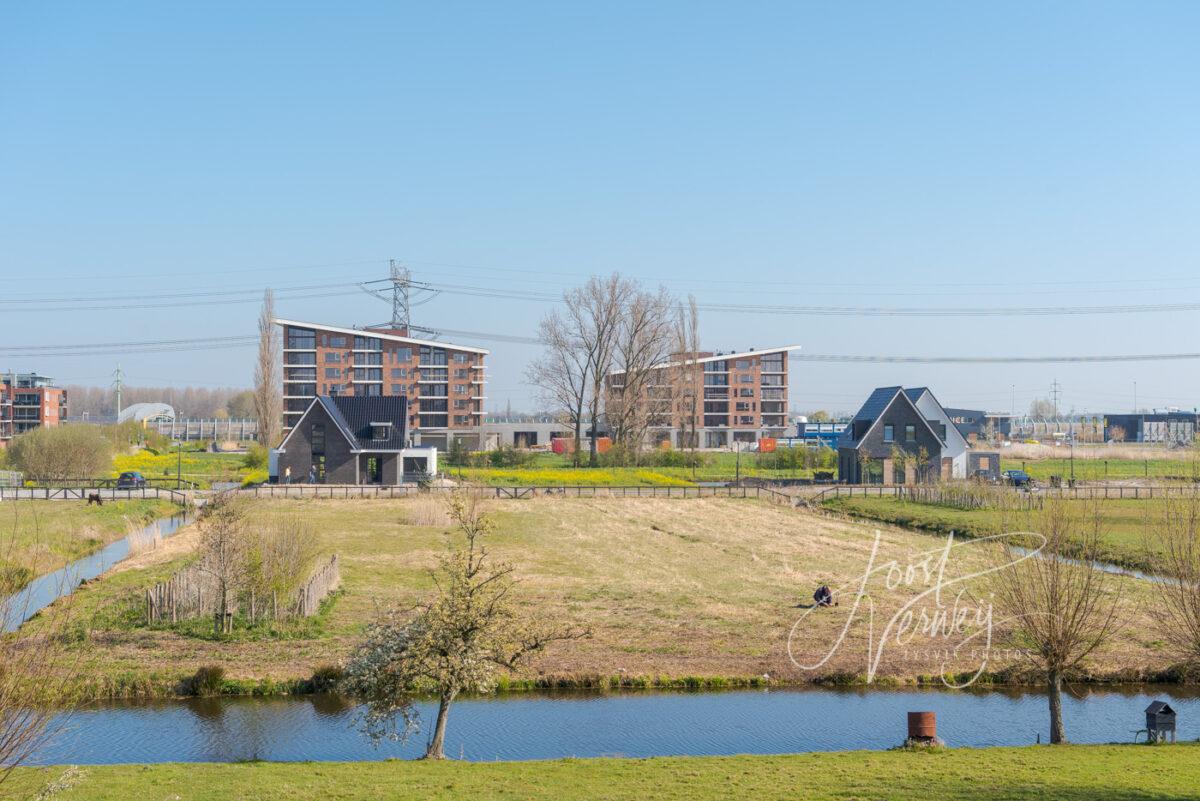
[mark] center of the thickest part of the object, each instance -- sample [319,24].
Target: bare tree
[36,671]
[457,642]
[268,399]
[1177,532]
[225,555]
[561,373]
[1062,608]
[639,386]
[687,379]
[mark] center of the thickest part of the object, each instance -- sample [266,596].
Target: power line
[1144,357]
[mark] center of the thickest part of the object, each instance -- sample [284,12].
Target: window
[370,390]
[460,389]
[889,433]
[716,380]
[399,372]
[367,343]
[301,374]
[301,339]
[435,356]
[772,381]
[462,375]
[333,372]
[434,390]
[381,431]
[333,358]
[743,364]
[716,367]
[745,392]
[301,358]
[302,389]
[898,472]
[337,341]
[742,406]
[460,358]
[910,433]
[745,379]
[462,419]
[397,389]
[317,437]
[462,403]
[746,420]
[368,374]
[434,374]
[772,362]
[404,354]
[368,358]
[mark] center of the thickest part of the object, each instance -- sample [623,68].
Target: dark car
[1018,478]
[131,480]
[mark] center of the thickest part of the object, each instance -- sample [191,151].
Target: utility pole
[118,380]
[1055,395]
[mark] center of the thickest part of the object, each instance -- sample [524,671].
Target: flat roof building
[443,382]
[28,401]
[742,397]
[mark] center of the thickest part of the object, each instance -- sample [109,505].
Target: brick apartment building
[745,397]
[29,400]
[444,383]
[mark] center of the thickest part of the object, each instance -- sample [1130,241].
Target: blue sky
[916,154]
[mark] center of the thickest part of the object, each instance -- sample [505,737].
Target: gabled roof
[1158,707]
[873,409]
[359,415]
[367,332]
[356,418]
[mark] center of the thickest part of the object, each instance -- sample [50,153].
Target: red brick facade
[28,401]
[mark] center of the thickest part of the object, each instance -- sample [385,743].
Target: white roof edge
[367,332]
[721,357]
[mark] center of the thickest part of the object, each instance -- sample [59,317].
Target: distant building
[147,413]
[28,401]
[826,434]
[744,397]
[443,383]
[1165,428]
[980,425]
[524,431]
[895,421]
[352,440]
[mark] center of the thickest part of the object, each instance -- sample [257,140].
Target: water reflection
[547,726]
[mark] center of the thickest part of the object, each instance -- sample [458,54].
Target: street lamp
[178,464]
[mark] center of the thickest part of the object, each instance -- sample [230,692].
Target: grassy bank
[1098,468]
[40,536]
[698,592]
[1126,542]
[1064,773]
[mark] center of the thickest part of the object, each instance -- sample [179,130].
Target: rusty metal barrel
[922,725]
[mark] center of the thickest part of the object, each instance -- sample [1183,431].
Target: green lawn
[1099,470]
[37,537]
[1060,773]
[1127,539]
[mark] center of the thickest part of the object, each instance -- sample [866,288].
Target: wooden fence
[83,493]
[193,593]
[931,494]
[353,491]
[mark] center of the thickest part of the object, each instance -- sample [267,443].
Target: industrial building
[27,401]
[744,398]
[980,426]
[442,382]
[1172,427]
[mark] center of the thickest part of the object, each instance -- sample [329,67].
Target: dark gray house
[905,436]
[352,440]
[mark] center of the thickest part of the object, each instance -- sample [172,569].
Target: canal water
[636,724]
[45,590]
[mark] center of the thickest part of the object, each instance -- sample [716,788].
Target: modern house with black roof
[353,440]
[905,436]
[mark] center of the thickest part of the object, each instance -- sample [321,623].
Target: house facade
[905,436]
[352,440]
[443,383]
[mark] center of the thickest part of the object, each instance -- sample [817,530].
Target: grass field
[1061,773]
[677,592]
[37,537]
[1101,469]
[199,467]
[1127,538]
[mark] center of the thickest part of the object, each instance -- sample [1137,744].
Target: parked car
[1018,478]
[131,479]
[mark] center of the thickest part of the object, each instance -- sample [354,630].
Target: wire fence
[353,491]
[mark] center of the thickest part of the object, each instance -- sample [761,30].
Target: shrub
[256,457]
[207,680]
[60,452]
[326,678]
